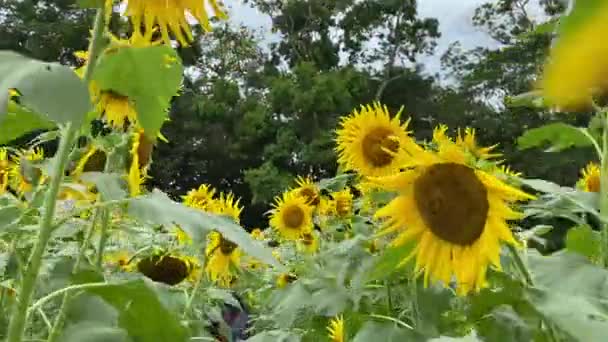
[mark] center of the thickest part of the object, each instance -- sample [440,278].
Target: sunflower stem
[604,190]
[521,266]
[17,323]
[103,236]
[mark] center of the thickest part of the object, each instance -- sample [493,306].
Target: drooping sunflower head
[307,189]
[372,143]
[590,178]
[22,176]
[457,215]
[291,216]
[141,156]
[309,242]
[200,198]
[223,258]
[466,139]
[93,160]
[343,202]
[227,205]
[170,15]
[5,168]
[165,268]
[336,329]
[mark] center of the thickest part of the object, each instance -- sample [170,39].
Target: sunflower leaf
[94,332]
[386,332]
[19,121]
[583,240]
[561,136]
[149,76]
[48,88]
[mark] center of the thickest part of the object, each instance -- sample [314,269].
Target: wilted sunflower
[590,180]
[343,201]
[5,167]
[456,213]
[371,143]
[94,160]
[199,198]
[22,177]
[291,216]
[141,154]
[166,268]
[170,15]
[467,141]
[309,242]
[223,256]
[307,189]
[336,329]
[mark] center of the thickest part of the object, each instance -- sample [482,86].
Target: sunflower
[166,268]
[291,216]
[307,189]
[199,198]
[171,15]
[141,154]
[590,180]
[467,141]
[257,234]
[456,213]
[309,243]
[93,160]
[343,201]
[5,167]
[120,259]
[336,329]
[369,141]
[285,279]
[222,257]
[21,176]
[226,205]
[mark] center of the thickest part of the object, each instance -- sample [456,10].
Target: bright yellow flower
[5,168]
[200,198]
[372,143]
[141,156]
[223,256]
[590,180]
[309,243]
[170,15]
[343,203]
[257,234]
[457,214]
[285,279]
[336,329]
[19,178]
[120,259]
[468,142]
[307,189]
[226,205]
[291,216]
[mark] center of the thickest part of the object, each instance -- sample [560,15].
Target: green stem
[60,318]
[103,236]
[40,302]
[392,319]
[28,282]
[604,190]
[521,266]
[192,296]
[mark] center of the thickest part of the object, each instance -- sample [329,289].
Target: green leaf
[9,215]
[49,88]
[149,76]
[505,325]
[141,313]
[91,3]
[469,338]
[583,240]
[389,260]
[109,185]
[289,303]
[531,99]
[158,208]
[544,28]
[560,135]
[94,332]
[275,336]
[386,332]
[19,121]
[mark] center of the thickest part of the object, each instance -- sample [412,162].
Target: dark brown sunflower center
[452,202]
[144,150]
[375,146]
[593,184]
[226,246]
[165,269]
[312,198]
[293,217]
[96,162]
[307,239]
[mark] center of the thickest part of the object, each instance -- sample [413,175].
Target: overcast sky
[454,23]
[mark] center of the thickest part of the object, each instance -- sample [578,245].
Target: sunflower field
[412,240]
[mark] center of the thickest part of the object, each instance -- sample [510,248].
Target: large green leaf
[386,332]
[19,121]
[48,88]
[583,240]
[158,208]
[561,136]
[141,312]
[9,215]
[94,332]
[109,185]
[388,262]
[149,76]
[275,336]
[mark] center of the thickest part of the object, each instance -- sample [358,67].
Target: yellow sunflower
[590,180]
[19,178]
[119,259]
[456,213]
[467,141]
[5,167]
[171,15]
[307,189]
[343,201]
[371,143]
[223,256]
[309,243]
[257,234]
[336,329]
[141,156]
[199,198]
[285,279]
[291,216]
[226,205]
